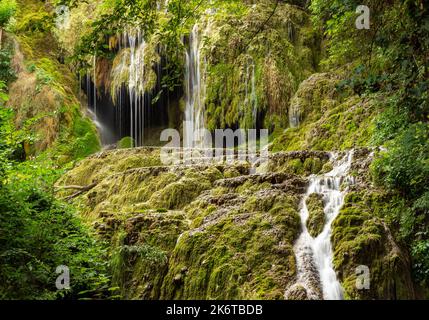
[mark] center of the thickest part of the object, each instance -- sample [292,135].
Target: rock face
[197,233]
[323,117]
[194,232]
[361,237]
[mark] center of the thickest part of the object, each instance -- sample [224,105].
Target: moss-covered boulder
[329,119]
[316,215]
[361,237]
[298,162]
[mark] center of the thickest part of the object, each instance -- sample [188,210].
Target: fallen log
[81,190]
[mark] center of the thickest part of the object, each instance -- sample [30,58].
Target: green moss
[313,165]
[180,193]
[361,237]
[296,166]
[316,219]
[86,141]
[125,143]
[239,81]
[237,260]
[36,21]
[328,120]
[140,254]
[327,167]
[249,187]
[231,245]
[231,173]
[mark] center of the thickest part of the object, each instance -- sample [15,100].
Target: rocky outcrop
[362,241]
[316,219]
[195,232]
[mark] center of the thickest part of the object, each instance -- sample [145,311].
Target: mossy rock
[327,167]
[297,292]
[295,166]
[312,165]
[231,173]
[361,238]
[316,218]
[125,143]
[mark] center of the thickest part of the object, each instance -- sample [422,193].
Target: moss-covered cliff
[45,92]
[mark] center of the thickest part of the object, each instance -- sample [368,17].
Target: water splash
[315,272]
[103,131]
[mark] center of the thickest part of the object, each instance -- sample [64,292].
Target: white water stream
[314,256]
[136,83]
[194,93]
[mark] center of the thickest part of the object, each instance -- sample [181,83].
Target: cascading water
[315,272]
[194,93]
[95,84]
[251,99]
[294,116]
[136,82]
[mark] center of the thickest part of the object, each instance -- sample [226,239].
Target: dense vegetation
[38,232]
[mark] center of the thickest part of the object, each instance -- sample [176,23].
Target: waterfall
[95,84]
[251,100]
[250,103]
[103,131]
[315,272]
[136,88]
[294,115]
[194,93]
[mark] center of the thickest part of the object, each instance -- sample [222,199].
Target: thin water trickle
[294,116]
[251,98]
[95,84]
[103,131]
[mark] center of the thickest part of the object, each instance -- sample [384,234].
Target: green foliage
[6,72]
[39,21]
[405,166]
[39,233]
[11,140]
[7,10]
[420,247]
